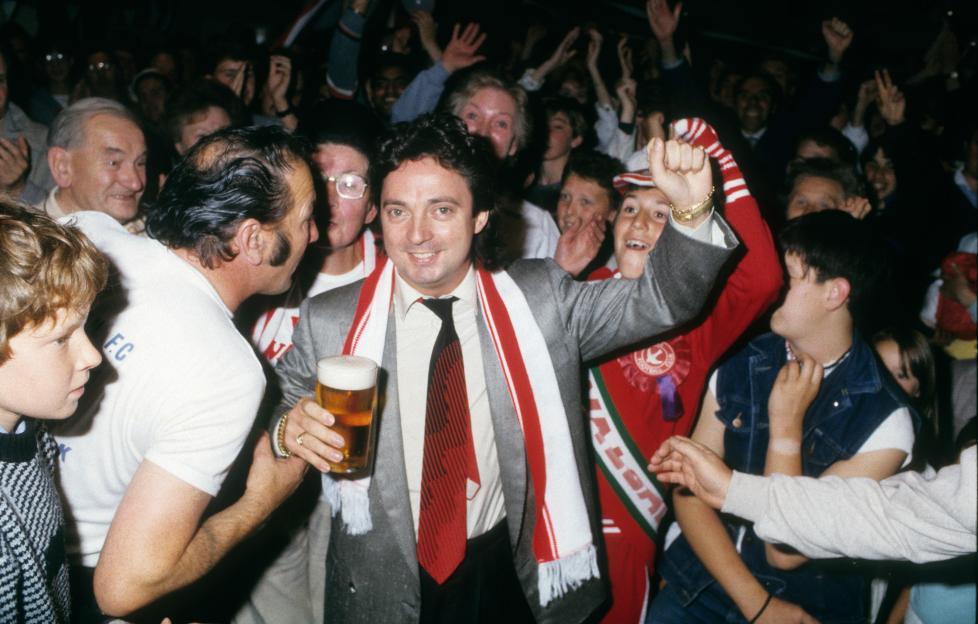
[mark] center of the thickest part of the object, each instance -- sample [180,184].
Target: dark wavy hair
[227,177]
[444,138]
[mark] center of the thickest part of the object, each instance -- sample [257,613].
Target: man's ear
[59,162]
[837,293]
[371,214]
[480,220]
[576,142]
[251,241]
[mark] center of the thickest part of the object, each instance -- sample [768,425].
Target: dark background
[887,28]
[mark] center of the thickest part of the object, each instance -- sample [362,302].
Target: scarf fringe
[557,577]
[353,499]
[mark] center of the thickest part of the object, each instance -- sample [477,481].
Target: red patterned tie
[449,453]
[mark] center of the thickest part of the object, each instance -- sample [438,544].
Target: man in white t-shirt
[808,399]
[180,387]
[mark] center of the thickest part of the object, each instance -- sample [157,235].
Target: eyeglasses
[101,66]
[348,185]
[54,57]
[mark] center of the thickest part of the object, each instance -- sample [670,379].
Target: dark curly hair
[227,177]
[444,138]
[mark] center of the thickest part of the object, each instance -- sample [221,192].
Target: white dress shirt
[417,328]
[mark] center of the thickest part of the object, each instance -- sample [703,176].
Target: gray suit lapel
[509,436]
[389,478]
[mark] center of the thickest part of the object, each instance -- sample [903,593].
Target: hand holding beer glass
[347,388]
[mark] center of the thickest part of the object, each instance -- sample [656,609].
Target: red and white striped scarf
[562,541]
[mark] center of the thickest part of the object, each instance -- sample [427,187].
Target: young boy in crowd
[808,399]
[49,275]
[640,398]
[586,206]
[566,128]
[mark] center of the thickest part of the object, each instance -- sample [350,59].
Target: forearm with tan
[156,543]
[709,540]
[122,587]
[783,457]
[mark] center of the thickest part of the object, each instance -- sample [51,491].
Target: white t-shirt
[540,233]
[179,386]
[272,333]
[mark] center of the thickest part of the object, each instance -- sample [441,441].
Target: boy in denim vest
[807,399]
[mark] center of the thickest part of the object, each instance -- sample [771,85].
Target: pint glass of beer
[347,389]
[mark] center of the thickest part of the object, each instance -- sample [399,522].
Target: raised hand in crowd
[534,34]
[865,96]
[579,244]
[625,58]
[427,33]
[275,101]
[243,84]
[682,172]
[889,99]
[664,21]
[462,49]
[563,53]
[838,36]
[593,53]
[15,164]
[625,90]
[595,40]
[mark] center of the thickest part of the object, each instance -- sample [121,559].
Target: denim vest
[851,403]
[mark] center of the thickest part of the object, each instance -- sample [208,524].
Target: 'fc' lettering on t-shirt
[117,348]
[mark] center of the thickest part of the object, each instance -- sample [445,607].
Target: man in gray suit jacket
[434,187]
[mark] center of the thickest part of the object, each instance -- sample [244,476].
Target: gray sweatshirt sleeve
[906,516]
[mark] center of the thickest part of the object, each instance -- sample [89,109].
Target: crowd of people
[614,283]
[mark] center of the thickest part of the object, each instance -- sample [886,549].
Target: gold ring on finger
[298,438]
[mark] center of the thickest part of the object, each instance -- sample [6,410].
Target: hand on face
[578,245]
[15,163]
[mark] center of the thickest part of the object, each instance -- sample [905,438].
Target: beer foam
[347,372]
